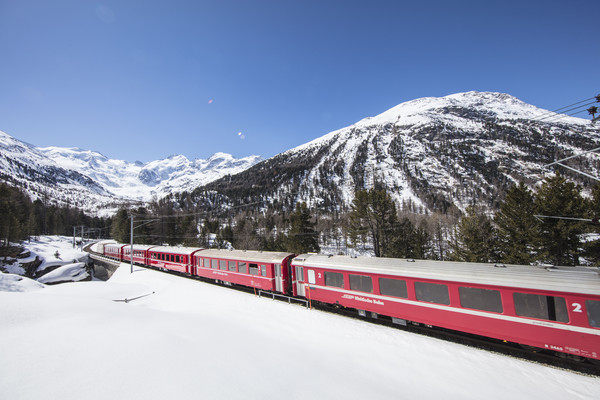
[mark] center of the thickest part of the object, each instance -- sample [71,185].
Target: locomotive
[552,308]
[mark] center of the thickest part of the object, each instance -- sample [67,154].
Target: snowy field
[192,340]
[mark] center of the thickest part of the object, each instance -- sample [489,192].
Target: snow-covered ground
[192,340]
[58,257]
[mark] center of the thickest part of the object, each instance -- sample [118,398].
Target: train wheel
[593,361]
[571,357]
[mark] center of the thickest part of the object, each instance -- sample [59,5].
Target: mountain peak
[431,154]
[90,180]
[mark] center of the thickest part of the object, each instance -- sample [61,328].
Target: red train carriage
[261,270]
[178,259]
[140,254]
[556,308]
[114,251]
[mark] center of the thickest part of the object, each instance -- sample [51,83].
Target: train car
[262,270]
[114,251]
[178,259]
[554,308]
[140,254]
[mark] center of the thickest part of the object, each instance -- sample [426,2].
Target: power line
[555,117]
[560,110]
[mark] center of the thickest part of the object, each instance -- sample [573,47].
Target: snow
[71,272]
[187,339]
[54,251]
[57,254]
[16,283]
[156,178]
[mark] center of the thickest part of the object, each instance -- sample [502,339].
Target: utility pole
[131,255]
[131,236]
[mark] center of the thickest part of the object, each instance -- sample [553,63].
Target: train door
[278,278]
[300,281]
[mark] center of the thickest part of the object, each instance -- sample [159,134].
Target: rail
[282,297]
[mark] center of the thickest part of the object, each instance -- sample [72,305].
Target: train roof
[269,257]
[139,246]
[560,279]
[174,250]
[117,245]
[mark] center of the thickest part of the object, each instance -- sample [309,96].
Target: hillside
[432,154]
[97,184]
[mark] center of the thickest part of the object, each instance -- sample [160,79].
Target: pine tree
[15,212]
[560,238]
[302,237]
[402,241]
[517,226]
[475,238]
[121,226]
[373,216]
[592,248]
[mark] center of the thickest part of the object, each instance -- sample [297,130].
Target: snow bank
[186,339]
[16,283]
[67,273]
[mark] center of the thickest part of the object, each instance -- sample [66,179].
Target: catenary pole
[131,255]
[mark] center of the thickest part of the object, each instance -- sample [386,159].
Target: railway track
[540,356]
[535,355]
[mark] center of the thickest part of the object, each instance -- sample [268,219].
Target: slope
[432,154]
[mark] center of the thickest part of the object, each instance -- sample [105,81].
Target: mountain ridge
[431,154]
[95,183]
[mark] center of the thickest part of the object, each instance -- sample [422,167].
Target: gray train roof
[564,279]
[139,247]
[174,250]
[268,257]
[118,245]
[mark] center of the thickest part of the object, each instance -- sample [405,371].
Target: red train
[554,308]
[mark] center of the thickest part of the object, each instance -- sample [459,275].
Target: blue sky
[144,79]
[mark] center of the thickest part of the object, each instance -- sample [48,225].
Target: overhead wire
[560,110]
[556,116]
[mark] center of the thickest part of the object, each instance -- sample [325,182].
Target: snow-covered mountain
[93,182]
[430,153]
[138,181]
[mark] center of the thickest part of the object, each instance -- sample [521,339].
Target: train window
[361,283]
[311,276]
[550,308]
[223,265]
[176,259]
[242,267]
[232,266]
[593,312]
[263,270]
[335,279]
[199,262]
[300,274]
[480,299]
[253,269]
[432,292]
[214,264]
[393,287]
